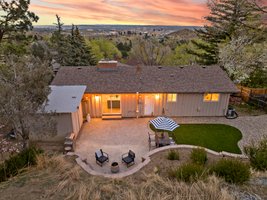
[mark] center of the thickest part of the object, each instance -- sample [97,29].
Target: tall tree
[16,18]
[227,20]
[71,50]
[24,87]
[59,43]
[80,54]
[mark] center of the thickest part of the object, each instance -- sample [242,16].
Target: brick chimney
[107,65]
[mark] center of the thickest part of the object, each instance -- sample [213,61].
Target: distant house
[114,90]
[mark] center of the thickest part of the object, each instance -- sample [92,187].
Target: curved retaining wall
[146,159]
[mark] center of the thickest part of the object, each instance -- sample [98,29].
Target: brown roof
[147,79]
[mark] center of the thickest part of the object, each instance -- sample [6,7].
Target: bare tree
[149,52]
[259,5]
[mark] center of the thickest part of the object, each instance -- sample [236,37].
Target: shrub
[199,156]
[14,164]
[173,155]
[258,155]
[189,172]
[233,171]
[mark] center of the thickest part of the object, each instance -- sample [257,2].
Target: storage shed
[65,102]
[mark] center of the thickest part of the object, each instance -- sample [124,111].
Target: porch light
[157,96]
[97,97]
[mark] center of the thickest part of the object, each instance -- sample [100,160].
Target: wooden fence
[255,96]
[247,92]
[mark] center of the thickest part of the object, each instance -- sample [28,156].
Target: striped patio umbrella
[164,123]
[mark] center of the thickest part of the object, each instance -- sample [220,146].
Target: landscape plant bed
[217,137]
[62,178]
[161,165]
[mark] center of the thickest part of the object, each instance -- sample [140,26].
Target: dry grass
[56,177]
[68,181]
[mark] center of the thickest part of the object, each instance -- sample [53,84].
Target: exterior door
[149,105]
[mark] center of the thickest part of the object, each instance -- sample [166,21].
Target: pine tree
[227,19]
[59,43]
[80,54]
[72,49]
[15,18]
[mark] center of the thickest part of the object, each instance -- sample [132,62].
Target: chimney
[107,65]
[138,68]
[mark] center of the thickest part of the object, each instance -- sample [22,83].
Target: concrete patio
[119,136]
[115,137]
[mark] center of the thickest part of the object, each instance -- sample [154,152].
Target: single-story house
[115,90]
[65,103]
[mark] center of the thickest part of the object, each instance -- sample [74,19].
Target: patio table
[163,140]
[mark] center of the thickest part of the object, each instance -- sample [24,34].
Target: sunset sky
[146,12]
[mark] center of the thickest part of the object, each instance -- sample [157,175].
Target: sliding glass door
[111,104]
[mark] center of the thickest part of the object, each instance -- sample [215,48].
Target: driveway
[115,137]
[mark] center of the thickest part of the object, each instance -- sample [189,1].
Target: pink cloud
[164,12]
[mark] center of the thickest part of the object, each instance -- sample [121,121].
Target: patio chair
[128,158]
[151,140]
[101,157]
[151,137]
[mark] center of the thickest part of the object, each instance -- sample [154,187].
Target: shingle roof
[147,79]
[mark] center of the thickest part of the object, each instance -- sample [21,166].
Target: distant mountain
[186,34]
[117,27]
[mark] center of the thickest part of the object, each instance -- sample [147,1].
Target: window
[211,97]
[172,97]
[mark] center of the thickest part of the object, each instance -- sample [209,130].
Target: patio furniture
[128,158]
[101,157]
[164,123]
[151,137]
[163,139]
[114,168]
[151,140]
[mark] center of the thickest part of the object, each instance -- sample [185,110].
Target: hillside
[184,34]
[60,178]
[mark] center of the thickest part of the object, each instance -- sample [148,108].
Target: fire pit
[115,168]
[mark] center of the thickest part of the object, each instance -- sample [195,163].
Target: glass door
[111,104]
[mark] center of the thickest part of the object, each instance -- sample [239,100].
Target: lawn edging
[86,166]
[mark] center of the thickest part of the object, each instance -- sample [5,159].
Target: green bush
[173,155]
[16,163]
[233,171]
[189,172]
[258,155]
[199,156]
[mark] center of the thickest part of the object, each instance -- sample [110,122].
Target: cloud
[162,12]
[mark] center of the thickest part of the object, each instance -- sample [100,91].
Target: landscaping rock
[259,181]
[249,196]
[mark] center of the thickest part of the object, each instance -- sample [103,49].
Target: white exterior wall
[186,105]
[193,105]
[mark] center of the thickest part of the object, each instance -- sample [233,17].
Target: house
[115,90]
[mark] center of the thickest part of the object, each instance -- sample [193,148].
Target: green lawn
[217,137]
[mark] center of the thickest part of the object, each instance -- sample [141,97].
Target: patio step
[111,116]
